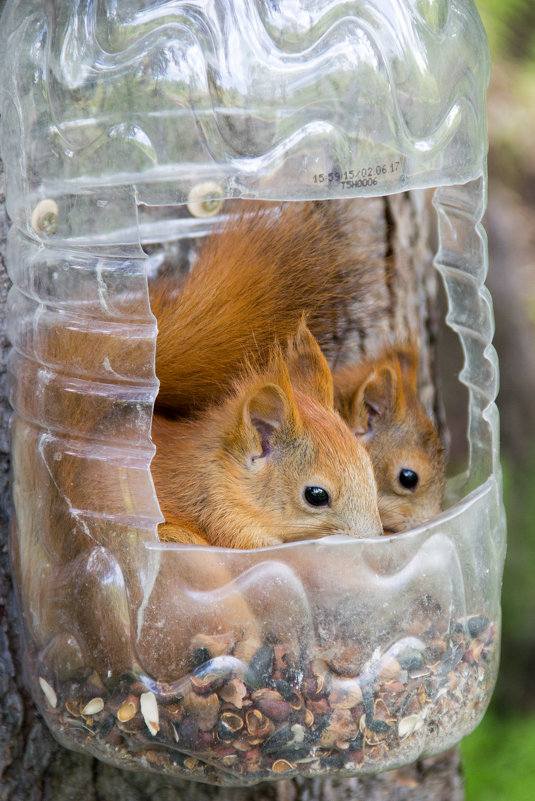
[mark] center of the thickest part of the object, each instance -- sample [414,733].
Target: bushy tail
[250,285]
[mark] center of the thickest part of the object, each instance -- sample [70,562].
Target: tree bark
[33,767]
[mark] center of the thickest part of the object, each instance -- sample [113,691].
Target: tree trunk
[33,766]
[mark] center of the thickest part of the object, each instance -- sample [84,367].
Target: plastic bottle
[123,127]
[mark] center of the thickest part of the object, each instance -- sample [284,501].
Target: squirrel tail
[252,281]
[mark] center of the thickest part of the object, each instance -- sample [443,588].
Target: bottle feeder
[127,129]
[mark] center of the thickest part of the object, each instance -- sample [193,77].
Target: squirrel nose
[366,523]
[375,531]
[363,530]
[374,527]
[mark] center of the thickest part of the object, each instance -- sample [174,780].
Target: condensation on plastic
[353,655]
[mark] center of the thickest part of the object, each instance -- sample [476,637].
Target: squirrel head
[290,468]
[384,411]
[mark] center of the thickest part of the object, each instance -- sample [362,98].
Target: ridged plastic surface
[227,666]
[307,99]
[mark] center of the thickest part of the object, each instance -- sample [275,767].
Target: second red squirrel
[217,359]
[379,401]
[271,463]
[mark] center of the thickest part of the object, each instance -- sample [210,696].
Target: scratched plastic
[329,656]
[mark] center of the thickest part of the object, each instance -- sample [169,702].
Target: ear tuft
[407,357]
[308,367]
[278,370]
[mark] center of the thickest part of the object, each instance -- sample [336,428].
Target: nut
[149,710]
[390,670]
[409,725]
[309,717]
[128,708]
[93,707]
[73,708]
[345,694]
[272,704]
[340,730]
[258,725]
[229,725]
[49,692]
[234,692]
[282,766]
[203,709]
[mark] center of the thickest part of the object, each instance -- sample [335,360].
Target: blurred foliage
[510,26]
[515,688]
[499,757]
[498,760]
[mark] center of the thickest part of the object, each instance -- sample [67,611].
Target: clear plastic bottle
[124,128]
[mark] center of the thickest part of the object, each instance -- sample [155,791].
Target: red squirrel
[379,401]
[252,282]
[272,462]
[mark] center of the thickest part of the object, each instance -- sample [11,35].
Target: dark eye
[408,479]
[316,496]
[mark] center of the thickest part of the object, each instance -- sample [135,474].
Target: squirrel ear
[265,411]
[308,367]
[407,357]
[375,398]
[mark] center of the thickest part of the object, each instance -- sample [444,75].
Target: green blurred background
[499,757]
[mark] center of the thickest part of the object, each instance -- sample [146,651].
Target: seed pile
[227,723]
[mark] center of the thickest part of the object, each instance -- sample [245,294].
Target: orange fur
[379,401]
[250,284]
[236,474]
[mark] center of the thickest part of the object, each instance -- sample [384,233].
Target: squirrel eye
[316,496]
[408,478]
